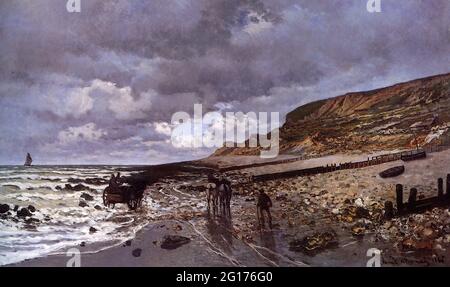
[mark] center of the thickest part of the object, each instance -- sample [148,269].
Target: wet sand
[149,241]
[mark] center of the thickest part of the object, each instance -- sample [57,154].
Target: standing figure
[222,193]
[212,197]
[112,182]
[225,194]
[263,205]
[118,179]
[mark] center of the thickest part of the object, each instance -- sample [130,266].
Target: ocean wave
[18,244]
[21,246]
[33,197]
[62,222]
[59,177]
[31,185]
[54,186]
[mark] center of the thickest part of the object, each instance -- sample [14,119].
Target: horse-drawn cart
[123,194]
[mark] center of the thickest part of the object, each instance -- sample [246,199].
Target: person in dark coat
[263,205]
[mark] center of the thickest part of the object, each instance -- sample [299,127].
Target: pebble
[136,252]
[83,204]
[4,208]
[427,232]
[335,211]
[359,202]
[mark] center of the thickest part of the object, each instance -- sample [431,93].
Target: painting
[224,133]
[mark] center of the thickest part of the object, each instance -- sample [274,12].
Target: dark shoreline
[148,175]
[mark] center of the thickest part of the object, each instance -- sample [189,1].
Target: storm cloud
[100,86]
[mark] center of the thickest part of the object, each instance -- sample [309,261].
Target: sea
[59,221]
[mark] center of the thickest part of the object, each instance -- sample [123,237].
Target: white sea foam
[31,185]
[63,222]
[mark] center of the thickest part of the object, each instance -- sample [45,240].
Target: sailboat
[28,160]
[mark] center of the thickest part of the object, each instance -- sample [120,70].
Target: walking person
[263,205]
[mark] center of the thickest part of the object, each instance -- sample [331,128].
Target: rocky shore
[329,219]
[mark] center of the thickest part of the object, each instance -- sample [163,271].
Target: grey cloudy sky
[100,86]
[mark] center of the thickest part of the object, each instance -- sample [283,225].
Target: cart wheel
[133,203]
[105,194]
[130,204]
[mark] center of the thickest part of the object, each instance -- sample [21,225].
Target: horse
[221,194]
[225,193]
[212,197]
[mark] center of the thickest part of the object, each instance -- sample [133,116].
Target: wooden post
[388,210]
[412,199]
[440,188]
[399,192]
[447,192]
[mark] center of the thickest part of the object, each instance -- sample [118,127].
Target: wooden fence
[441,145]
[238,167]
[414,205]
[375,160]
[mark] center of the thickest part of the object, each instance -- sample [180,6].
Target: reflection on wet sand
[268,241]
[220,233]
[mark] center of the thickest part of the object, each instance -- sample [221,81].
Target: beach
[147,240]
[330,219]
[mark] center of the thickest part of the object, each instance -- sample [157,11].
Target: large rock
[315,243]
[136,252]
[79,187]
[411,244]
[83,204]
[96,181]
[91,180]
[358,229]
[362,212]
[75,180]
[174,241]
[31,208]
[4,208]
[87,196]
[24,212]
[32,220]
